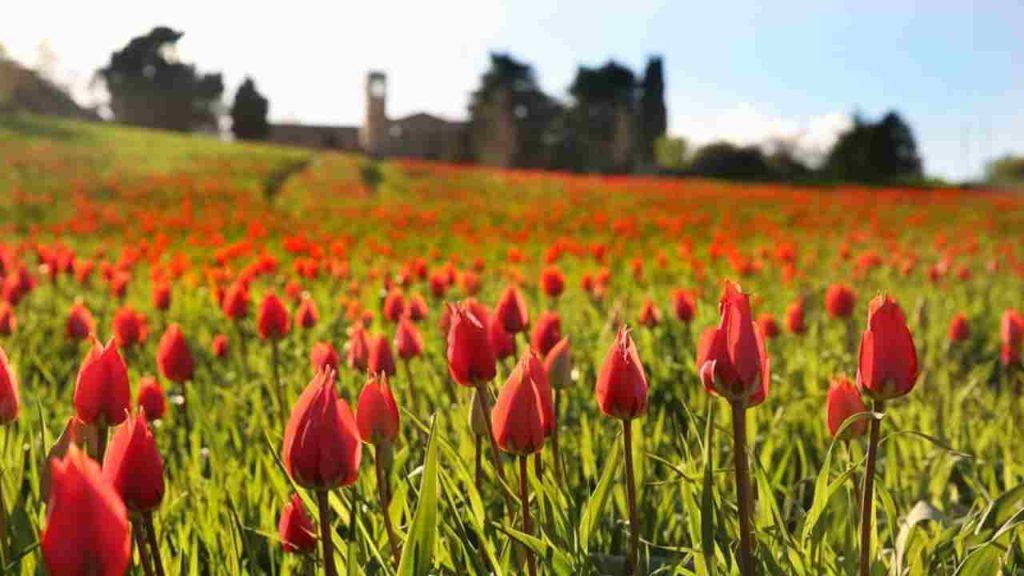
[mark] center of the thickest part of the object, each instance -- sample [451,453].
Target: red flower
[321,442]
[236,301]
[295,529]
[888,359]
[8,391]
[162,296]
[306,316]
[80,323]
[323,356]
[684,304]
[547,332]
[416,308]
[380,359]
[470,356]
[377,413]
[357,349]
[503,343]
[840,300]
[8,321]
[959,329]
[558,364]
[844,401]
[731,358]
[553,281]
[538,375]
[518,417]
[86,522]
[795,317]
[129,327]
[769,327]
[133,466]
[102,391]
[650,316]
[173,355]
[394,306]
[273,323]
[621,384]
[408,341]
[151,398]
[219,346]
[1011,333]
[511,311]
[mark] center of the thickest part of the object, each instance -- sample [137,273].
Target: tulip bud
[769,327]
[162,296]
[8,321]
[731,358]
[321,441]
[650,316]
[151,398]
[547,332]
[80,324]
[1011,333]
[511,311]
[684,304]
[273,323]
[133,466]
[235,304]
[553,282]
[358,348]
[377,413]
[219,346]
[840,300]
[959,329]
[102,390]
[518,418]
[380,359]
[795,317]
[844,401]
[307,315]
[87,528]
[8,391]
[173,355]
[394,306]
[416,309]
[295,529]
[470,356]
[503,343]
[888,359]
[622,384]
[535,371]
[323,356]
[558,365]
[129,328]
[408,341]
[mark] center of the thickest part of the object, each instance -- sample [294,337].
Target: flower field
[241,359]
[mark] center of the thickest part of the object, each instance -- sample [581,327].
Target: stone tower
[373,135]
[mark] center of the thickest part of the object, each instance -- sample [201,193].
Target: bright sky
[735,70]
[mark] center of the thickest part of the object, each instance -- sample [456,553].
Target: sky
[743,71]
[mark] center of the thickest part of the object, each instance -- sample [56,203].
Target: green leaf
[418,551]
[595,505]
[707,499]
[1002,509]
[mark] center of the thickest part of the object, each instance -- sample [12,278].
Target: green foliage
[670,153]
[1006,171]
[883,151]
[249,112]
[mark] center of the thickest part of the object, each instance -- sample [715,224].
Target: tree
[1006,171]
[725,160]
[653,117]
[149,87]
[249,112]
[603,117]
[670,153]
[884,151]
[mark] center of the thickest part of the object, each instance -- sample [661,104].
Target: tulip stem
[325,533]
[743,492]
[634,519]
[556,461]
[867,495]
[524,497]
[410,382]
[484,404]
[243,354]
[138,531]
[278,389]
[154,544]
[4,552]
[479,468]
[382,494]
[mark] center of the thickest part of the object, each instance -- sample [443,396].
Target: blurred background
[897,92]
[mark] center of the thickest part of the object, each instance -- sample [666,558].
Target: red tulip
[558,364]
[650,316]
[321,441]
[731,358]
[323,356]
[888,359]
[1011,333]
[377,413]
[357,349]
[173,355]
[162,296]
[102,391]
[684,304]
[87,528]
[394,306]
[273,323]
[8,321]
[151,398]
[416,308]
[408,341]
[769,327]
[133,466]
[547,332]
[470,356]
[840,300]
[295,529]
[503,343]
[306,316]
[518,417]
[380,360]
[795,317]
[844,401]
[622,384]
[129,328]
[511,311]
[219,346]
[80,324]
[545,395]
[552,281]
[8,391]
[236,301]
[959,329]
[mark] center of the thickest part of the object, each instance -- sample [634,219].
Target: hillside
[22,90]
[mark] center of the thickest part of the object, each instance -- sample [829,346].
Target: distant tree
[670,153]
[883,151]
[1006,171]
[603,117]
[249,112]
[728,161]
[653,117]
[149,87]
